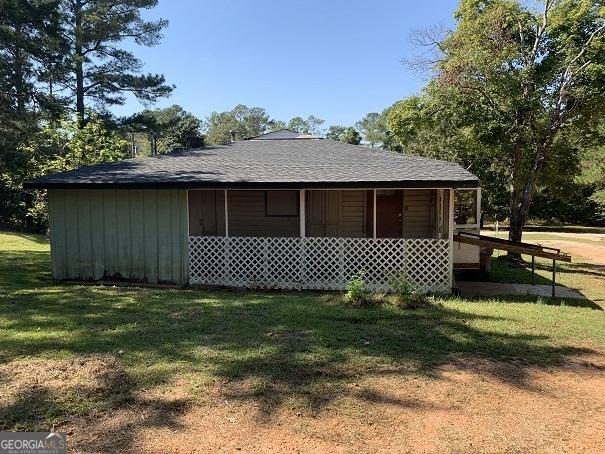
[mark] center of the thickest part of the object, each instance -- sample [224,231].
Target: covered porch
[318,239]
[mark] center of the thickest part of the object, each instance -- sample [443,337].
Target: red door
[389,213]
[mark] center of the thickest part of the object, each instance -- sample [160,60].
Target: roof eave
[402,184]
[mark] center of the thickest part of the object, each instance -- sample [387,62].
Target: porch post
[301,209]
[440,202]
[479,209]
[451,236]
[226,215]
[374,213]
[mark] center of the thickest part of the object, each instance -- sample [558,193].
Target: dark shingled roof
[266,162]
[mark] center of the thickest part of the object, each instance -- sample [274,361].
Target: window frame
[477,223]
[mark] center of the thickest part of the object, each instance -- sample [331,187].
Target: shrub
[356,289]
[406,295]
[401,285]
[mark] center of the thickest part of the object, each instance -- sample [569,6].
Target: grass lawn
[72,356]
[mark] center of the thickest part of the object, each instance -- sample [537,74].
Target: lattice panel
[317,263]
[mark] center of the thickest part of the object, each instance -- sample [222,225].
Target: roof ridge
[287,134]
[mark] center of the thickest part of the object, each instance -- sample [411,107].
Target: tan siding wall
[131,234]
[316,206]
[419,213]
[207,213]
[353,214]
[246,215]
[328,213]
[335,213]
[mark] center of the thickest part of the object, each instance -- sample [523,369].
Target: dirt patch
[39,394]
[466,406]
[579,251]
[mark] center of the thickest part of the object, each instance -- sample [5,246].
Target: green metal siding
[138,235]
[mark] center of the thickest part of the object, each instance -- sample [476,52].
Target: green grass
[295,348]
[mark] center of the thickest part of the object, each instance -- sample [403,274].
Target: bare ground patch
[36,391]
[579,251]
[463,406]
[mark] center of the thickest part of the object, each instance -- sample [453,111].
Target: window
[465,207]
[281,203]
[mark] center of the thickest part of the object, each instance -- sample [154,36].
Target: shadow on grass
[271,349]
[501,271]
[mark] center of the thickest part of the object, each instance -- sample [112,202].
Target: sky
[334,59]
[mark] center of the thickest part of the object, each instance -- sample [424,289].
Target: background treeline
[516,95]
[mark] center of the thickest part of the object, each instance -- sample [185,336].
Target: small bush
[405,293]
[401,285]
[356,289]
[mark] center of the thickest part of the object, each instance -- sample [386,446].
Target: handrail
[512,246]
[534,250]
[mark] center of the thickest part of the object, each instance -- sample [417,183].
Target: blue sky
[334,59]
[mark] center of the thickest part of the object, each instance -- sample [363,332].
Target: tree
[64,147]
[31,49]
[593,166]
[375,131]
[276,125]
[373,128]
[434,126]
[102,70]
[521,84]
[167,129]
[344,134]
[244,121]
[182,130]
[351,135]
[335,132]
[312,125]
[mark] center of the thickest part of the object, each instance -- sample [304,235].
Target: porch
[319,239]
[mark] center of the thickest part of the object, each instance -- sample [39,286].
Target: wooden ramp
[519,247]
[534,250]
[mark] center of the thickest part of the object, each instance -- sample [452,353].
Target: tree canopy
[513,94]
[168,129]
[310,125]
[346,134]
[100,69]
[247,122]
[244,121]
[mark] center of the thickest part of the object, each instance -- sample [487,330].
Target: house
[282,210]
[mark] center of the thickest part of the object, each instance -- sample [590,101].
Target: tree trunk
[79,60]
[515,230]
[520,203]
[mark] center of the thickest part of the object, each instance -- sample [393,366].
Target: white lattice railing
[317,263]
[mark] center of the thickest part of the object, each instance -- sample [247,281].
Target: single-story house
[281,210]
